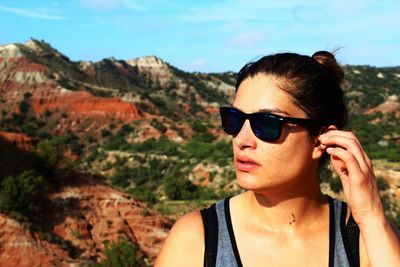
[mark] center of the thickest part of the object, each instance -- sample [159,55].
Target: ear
[319,150]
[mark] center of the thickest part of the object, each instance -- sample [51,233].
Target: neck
[287,210]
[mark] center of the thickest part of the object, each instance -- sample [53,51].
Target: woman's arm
[381,244]
[184,245]
[359,185]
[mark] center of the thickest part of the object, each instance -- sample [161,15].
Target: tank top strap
[228,254]
[340,252]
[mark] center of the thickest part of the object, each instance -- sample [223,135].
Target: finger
[341,159]
[350,135]
[351,146]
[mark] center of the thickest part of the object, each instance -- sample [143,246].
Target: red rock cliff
[87,213]
[81,103]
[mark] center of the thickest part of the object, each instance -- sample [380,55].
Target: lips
[246,164]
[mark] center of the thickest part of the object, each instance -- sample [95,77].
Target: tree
[22,193]
[24,106]
[178,187]
[52,150]
[120,254]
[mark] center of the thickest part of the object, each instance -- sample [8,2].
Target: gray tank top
[340,254]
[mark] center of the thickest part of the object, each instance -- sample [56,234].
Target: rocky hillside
[70,218]
[57,116]
[80,219]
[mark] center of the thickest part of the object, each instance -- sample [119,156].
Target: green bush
[116,142]
[52,150]
[125,129]
[91,138]
[21,193]
[18,119]
[24,106]
[122,176]
[216,152]
[335,184]
[144,194]
[325,174]
[120,254]
[105,133]
[179,187]
[158,125]
[76,147]
[382,184]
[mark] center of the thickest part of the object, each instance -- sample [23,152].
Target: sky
[208,35]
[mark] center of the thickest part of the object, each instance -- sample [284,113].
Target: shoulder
[184,245]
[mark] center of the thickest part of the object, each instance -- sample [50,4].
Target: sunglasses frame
[279,121]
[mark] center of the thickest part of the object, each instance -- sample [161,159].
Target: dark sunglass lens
[232,120]
[266,127]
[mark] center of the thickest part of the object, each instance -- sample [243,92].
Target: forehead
[264,92]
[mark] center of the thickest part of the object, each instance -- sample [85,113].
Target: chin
[255,183]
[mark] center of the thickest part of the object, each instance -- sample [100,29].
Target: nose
[245,138]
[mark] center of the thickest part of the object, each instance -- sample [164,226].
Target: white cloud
[30,13]
[249,39]
[132,5]
[239,10]
[104,4]
[110,4]
[198,64]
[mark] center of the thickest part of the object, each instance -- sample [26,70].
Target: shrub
[158,125]
[27,95]
[382,184]
[178,187]
[52,150]
[24,106]
[105,133]
[120,254]
[91,138]
[335,184]
[21,193]
[122,176]
[126,129]
[144,194]
[48,113]
[115,143]
[76,147]
[17,118]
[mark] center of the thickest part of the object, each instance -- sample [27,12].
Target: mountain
[118,149]
[65,112]
[72,218]
[145,88]
[80,219]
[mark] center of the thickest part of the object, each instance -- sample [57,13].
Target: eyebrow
[274,110]
[269,110]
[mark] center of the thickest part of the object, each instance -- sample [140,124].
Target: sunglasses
[266,126]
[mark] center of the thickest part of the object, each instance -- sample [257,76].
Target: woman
[286,120]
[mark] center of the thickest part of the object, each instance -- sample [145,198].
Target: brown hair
[312,82]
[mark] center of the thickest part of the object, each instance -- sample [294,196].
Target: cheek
[293,153]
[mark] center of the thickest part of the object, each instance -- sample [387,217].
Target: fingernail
[329,149]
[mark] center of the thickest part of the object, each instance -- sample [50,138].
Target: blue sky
[208,36]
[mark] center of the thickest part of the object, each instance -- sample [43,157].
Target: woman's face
[291,159]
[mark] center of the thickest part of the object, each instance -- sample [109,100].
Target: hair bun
[328,60]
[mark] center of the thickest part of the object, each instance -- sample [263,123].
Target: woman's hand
[354,168]
[361,191]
